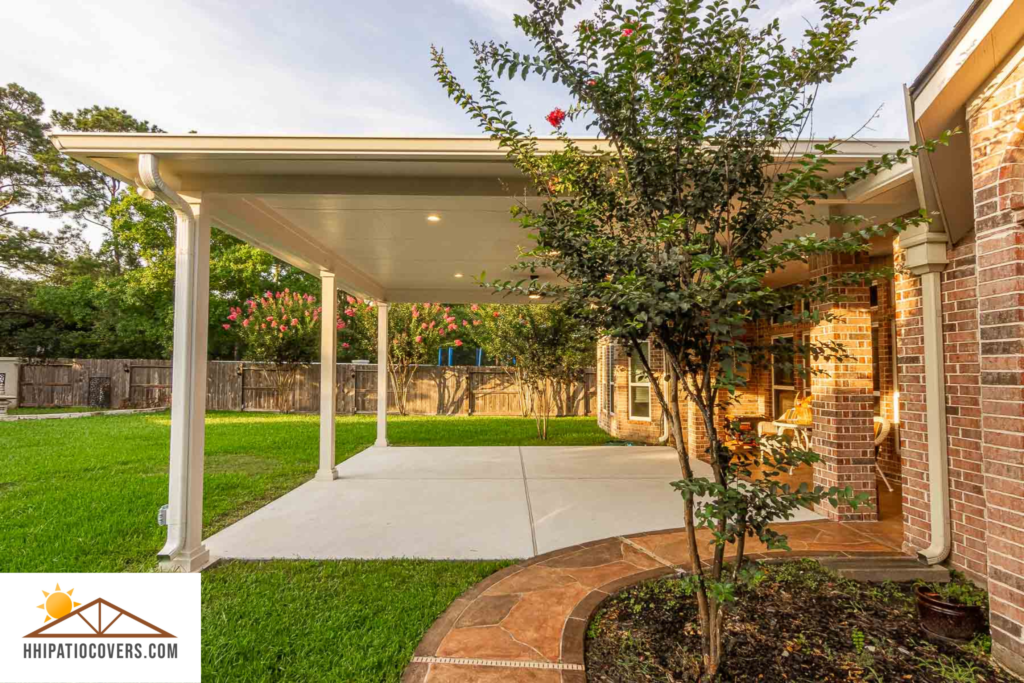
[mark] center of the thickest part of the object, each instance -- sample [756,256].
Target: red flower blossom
[591,82]
[419,339]
[627,32]
[226,326]
[458,342]
[344,345]
[556,117]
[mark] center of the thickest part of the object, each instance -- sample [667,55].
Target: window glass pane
[783,376]
[640,401]
[785,399]
[611,378]
[638,373]
[876,367]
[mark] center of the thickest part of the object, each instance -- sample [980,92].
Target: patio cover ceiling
[359,207]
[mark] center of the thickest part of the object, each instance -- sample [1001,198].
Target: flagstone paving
[527,623]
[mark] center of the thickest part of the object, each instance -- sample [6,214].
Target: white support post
[382,375]
[328,374]
[184,550]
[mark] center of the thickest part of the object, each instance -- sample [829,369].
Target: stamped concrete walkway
[466,503]
[526,623]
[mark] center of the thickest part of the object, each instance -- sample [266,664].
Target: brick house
[954,395]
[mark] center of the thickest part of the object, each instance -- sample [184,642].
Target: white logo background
[169,601]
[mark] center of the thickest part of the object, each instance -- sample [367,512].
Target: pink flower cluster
[277,313]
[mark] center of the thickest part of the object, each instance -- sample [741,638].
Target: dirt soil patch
[800,623]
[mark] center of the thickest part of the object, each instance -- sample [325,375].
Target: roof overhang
[985,37]
[358,207]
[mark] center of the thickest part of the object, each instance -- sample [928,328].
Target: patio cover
[391,219]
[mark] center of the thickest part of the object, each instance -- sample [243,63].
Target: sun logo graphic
[58,603]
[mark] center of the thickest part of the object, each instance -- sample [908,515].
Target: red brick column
[843,400]
[997,136]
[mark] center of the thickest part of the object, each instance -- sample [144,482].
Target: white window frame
[876,331]
[645,383]
[609,380]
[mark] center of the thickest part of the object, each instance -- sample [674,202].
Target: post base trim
[186,561]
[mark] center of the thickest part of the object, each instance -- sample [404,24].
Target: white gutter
[152,185]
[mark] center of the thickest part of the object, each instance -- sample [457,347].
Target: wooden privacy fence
[232,385]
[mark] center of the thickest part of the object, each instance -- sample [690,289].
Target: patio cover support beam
[328,374]
[382,374]
[184,550]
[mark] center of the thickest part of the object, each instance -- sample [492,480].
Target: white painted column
[328,374]
[184,550]
[382,375]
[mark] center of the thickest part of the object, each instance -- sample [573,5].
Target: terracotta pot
[948,620]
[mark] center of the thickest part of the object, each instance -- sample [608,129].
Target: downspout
[925,249]
[153,186]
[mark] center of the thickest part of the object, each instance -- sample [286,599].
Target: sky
[343,67]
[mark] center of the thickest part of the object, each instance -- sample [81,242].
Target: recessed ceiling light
[458,274]
[434,218]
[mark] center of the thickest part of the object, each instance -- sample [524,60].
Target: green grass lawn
[82,496]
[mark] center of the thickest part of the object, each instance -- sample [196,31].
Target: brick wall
[913,416]
[963,409]
[619,424]
[996,125]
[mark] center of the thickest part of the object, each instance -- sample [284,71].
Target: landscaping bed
[800,623]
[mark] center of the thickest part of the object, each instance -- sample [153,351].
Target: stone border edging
[573,632]
[91,413]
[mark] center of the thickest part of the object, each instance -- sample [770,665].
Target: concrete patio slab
[601,462]
[571,511]
[384,518]
[465,504]
[434,463]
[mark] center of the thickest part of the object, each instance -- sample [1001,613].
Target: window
[873,295]
[783,382]
[876,369]
[639,385]
[609,389]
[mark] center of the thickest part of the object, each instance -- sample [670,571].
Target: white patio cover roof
[359,207]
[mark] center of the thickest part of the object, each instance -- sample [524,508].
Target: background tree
[58,297]
[33,177]
[544,350]
[281,330]
[669,230]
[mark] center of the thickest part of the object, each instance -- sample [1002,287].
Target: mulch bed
[801,623]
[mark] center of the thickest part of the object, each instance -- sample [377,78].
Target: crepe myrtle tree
[667,229]
[281,329]
[416,333]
